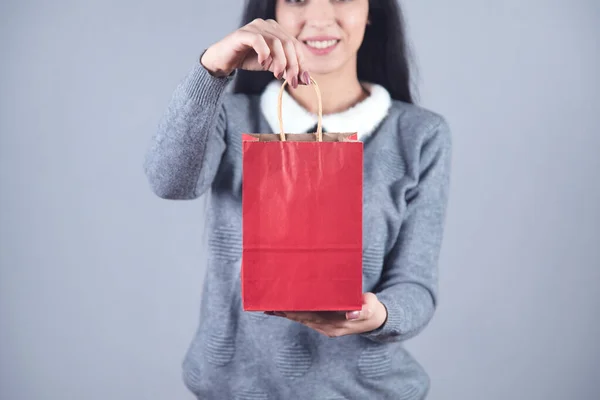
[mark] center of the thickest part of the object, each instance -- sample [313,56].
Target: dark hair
[383,56]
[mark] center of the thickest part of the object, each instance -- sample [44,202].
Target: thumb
[366,311]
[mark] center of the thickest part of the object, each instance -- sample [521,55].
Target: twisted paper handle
[319,132]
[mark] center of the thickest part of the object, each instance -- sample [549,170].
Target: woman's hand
[334,324]
[261,45]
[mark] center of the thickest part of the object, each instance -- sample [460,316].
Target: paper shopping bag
[302,220]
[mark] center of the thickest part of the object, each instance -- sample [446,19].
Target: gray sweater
[245,355]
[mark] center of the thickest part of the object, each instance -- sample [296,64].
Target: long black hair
[383,56]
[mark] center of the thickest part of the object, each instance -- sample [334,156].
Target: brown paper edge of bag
[304,137]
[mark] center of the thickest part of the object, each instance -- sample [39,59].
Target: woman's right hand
[261,45]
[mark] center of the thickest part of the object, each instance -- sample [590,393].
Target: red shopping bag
[302,220]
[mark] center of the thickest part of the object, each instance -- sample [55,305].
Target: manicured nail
[353,315]
[294,82]
[306,78]
[280,75]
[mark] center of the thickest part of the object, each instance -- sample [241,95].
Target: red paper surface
[302,225]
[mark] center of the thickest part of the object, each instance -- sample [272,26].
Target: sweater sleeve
[408,286]
[187,147]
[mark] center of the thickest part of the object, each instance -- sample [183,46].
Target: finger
[316,327]
[277,61]
[363,314]
[320,331]
[275,28]
[279,64]
[292,70]
[263,41]
[303,74]
[257,42]
[289,47]
[260,46]
[370,298]
[303,317]
[329,331]
[275,40]
[302,71]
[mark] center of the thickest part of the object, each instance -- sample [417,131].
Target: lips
[321,45]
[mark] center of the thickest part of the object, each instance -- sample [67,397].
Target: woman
[356,51]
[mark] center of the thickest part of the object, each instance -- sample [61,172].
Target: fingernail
[294,82]
[301,79]
[280,75]
[306,77]
[353,314]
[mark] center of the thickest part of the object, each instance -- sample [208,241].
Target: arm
[408,287]
[188,145]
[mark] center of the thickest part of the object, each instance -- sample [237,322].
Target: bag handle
[319,114]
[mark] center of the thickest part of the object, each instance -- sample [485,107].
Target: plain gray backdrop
[100,280]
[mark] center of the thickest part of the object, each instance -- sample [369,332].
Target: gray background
[100,280]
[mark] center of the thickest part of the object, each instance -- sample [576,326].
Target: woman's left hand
[339,323]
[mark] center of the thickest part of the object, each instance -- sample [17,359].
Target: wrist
[381,315]
[208,62]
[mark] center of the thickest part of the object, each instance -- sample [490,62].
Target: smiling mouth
[321,44]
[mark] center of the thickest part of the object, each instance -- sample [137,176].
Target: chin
[325,66]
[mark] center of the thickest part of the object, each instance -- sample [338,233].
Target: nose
[320,13]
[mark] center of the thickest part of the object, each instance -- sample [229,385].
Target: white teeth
[321,44]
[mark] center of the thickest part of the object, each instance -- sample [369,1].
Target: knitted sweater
[249,355]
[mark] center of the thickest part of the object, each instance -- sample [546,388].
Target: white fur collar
[362,118]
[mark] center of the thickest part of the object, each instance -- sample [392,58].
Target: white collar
[362,118]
